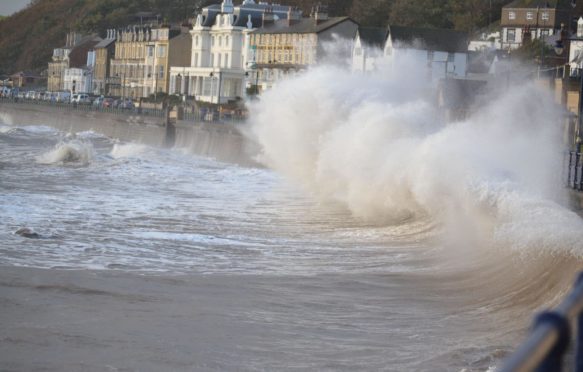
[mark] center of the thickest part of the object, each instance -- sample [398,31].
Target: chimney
[268,17]
[227,6]
[320,13]
[294,14]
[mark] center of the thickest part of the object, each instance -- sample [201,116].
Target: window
[212,59]
[511,35]
[150,51]
[220,59]
[529,16]
[357,51]
[161,51]
[450,57]
[220,41]
[161,71]
[545,16]
[195,60]
[196,40]
[227,60]
[213,41]
[227,40]
[512,16]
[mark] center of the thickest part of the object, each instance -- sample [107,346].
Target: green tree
[421,13]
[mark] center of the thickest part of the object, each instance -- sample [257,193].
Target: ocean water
[378,236]
[295,282]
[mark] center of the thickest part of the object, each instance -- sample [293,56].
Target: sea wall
[222,141]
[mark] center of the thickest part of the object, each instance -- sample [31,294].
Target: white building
[78,80]
[368,48]
[217,72]
[445,51]
[486,42]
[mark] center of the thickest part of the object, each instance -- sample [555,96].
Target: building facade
[72,55]
[524,20]
[143,56]
[217,70]
[78,80]
[368,48]
[284,47]
[443,52]
[104,52]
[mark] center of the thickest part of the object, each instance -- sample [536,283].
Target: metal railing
[574,171]
[190,114]
[550,337]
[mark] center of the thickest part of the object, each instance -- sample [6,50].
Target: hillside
[28,37]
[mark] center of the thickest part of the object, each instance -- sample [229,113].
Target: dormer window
[529,16]
[512,16]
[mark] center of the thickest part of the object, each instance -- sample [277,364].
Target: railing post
[574,153]
[579,339]
[553,362]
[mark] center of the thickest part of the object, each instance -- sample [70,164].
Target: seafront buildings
[247,48]
[217,70]
[143,56]
[445,52]
[284,47]
[72,55]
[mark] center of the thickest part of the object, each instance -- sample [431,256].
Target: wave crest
[70,152]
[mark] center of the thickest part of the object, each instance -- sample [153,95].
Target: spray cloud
[377,144]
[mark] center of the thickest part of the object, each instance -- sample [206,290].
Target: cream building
[283,47]
[143,56]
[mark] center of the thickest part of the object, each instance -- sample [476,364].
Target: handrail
[193,115]
[550,337]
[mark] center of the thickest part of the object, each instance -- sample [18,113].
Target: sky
[7,7]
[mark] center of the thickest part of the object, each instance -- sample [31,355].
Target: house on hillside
[523,20]
[445,52]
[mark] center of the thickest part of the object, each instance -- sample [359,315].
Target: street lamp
[253,67]
[122,81]
[219,90]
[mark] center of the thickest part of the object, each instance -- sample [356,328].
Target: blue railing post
[553,362]
[579,340]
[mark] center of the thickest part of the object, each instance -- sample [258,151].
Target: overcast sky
[7,7]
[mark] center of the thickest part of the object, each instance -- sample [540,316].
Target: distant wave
[127,150]
[70,152]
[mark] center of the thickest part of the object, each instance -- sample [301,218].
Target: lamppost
[253,67]
[180,92]
[219,90]
[122,80]
[155,85]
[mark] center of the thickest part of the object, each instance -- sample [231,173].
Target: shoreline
[222,141]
